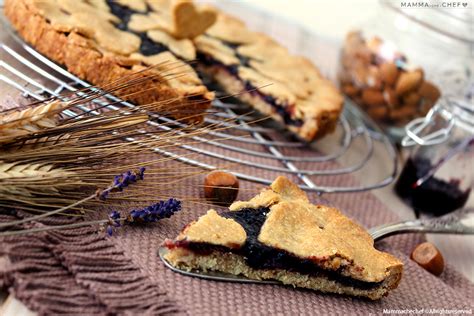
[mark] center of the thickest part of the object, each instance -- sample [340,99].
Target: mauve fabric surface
[418,288]
[141,284]
[173,293]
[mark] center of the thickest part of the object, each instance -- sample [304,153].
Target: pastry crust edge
[228,262]
[313,127]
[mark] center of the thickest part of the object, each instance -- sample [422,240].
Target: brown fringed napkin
[77,272]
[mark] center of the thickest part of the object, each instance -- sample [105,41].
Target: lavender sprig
[149,214]
[120,182]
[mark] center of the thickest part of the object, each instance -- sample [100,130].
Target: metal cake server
[211,275]
[458,222]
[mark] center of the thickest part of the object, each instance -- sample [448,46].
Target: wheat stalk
[50,163]
[13,171]
[17,123]
[18,179]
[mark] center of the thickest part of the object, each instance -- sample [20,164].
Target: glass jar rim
[457,113]
[439,30]
[462,112]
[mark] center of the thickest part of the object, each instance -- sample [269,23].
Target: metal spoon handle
[459,222]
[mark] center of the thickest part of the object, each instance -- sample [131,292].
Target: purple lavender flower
[109,230]
[149,214]
[122,181]
[141,173]
[114,218]
[117,180]
[114,221]
[125,181]
[103,195]
[155,212]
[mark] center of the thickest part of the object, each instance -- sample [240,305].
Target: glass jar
[438,176]
[397,65]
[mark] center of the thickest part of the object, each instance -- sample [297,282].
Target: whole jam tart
[104,40]
[280,235]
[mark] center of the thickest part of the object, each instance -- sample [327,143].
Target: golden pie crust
[82,36]
[215,230]
[318,233]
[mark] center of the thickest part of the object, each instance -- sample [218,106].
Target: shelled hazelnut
[221,187]
[428,257]
[381,83]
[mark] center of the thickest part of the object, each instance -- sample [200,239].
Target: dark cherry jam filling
[244,60]
[147,46]
[260,256]
[282,110]
[122,12]
[434,196]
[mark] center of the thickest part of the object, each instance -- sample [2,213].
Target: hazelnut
[429,91]
[408,81]
[360,75]
[373,97]
[425,107]
[363,55]
[391,97]
[403,113]
[221,187]
[429,257]
[374,43]
[412,99]
[389,73]
[373,79]
[344,76]
[350,90]
[378,112]
[358,100]
[355,38]
[348,62]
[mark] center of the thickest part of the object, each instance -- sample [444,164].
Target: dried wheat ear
[14,123]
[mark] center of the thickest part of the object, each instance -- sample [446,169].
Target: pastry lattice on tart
[102,41]
[288,88]
[280,235]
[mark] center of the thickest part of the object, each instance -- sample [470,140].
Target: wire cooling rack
[263,148]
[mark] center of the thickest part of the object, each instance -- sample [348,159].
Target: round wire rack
[257,149]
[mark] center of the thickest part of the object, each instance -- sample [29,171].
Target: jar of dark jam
[438,176]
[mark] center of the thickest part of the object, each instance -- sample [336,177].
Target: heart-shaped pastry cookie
[189,21]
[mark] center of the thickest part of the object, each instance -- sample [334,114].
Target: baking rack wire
[352,124]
